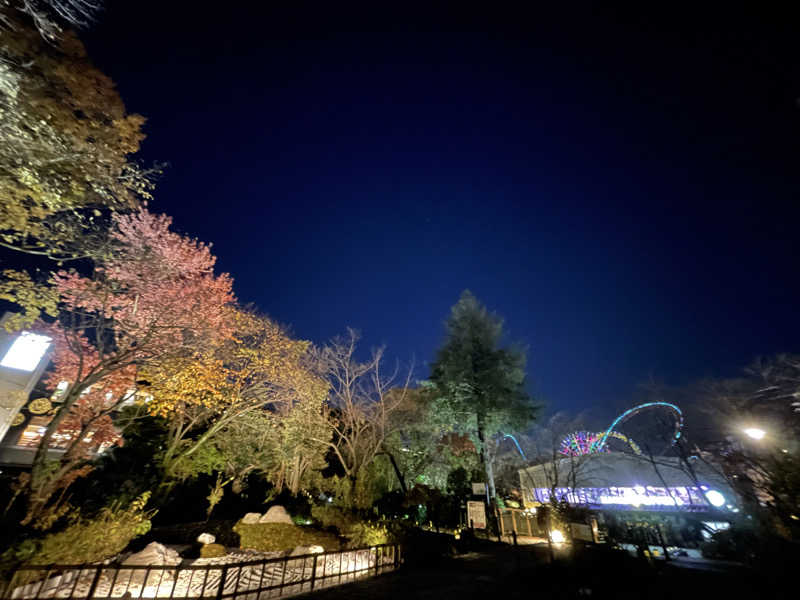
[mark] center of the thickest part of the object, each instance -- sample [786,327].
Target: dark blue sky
[621,187]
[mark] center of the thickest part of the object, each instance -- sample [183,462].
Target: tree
[416,448]
[250,403]
[480,386]
[278,443]
[48,15]
[362,402]
[65,146]
[154,299]
[765,473]
[542,445]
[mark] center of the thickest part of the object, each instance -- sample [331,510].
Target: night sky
[622,187]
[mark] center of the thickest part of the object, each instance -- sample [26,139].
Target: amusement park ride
[579,443]
[619,480]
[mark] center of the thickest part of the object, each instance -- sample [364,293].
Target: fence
[253,580]
[519,522]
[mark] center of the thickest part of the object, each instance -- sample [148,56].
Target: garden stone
[251,518]
[301,550]
[206,538]
[276,514]
[154,554]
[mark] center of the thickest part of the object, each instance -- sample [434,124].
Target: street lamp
[755,433]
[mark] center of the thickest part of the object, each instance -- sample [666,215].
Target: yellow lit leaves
[33,298]
[200,380]
[65,142]
[259,366]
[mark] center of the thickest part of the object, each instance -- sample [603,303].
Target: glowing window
[60,389]
[31,436]
[26,352]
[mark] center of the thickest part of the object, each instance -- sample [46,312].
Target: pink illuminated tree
[154,298]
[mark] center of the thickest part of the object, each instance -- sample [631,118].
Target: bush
[334,517]
[85,540]
[212,551]
[359,533]
[271,537]
[367,534]
[95,539]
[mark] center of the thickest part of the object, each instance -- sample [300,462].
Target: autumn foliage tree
[257,385]
[278,442]
[155,298]
[66,143]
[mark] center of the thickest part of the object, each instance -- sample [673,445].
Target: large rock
[301,550]
[276,514]
[251,518]
[154,554]
[206,538]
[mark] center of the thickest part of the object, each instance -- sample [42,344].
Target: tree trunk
[487,464]
[490,478]
[397,472]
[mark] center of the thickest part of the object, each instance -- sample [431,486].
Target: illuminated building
[619,481]
[23,359]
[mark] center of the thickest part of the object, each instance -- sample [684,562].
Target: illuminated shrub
[367,534]
[271,537]
[86,540]
[358,533]
[333,516]
[212,551]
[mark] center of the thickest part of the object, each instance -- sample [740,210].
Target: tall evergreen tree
[480,385]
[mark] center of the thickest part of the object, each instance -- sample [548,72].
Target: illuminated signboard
[634,496]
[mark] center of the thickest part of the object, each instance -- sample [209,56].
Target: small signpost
[587,532]
[581,531]
[478,489]
[476,514]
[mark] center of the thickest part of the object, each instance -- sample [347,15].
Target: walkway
[507,573]
[473,575]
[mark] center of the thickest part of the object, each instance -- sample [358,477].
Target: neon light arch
[637,409]
[618,436]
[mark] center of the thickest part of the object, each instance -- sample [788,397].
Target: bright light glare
[26,352]
[715,498]
[557,536]
[755,432]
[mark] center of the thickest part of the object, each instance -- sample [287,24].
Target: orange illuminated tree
[255,390]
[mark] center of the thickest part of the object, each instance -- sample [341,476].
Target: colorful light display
[580,443]
[680,497]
